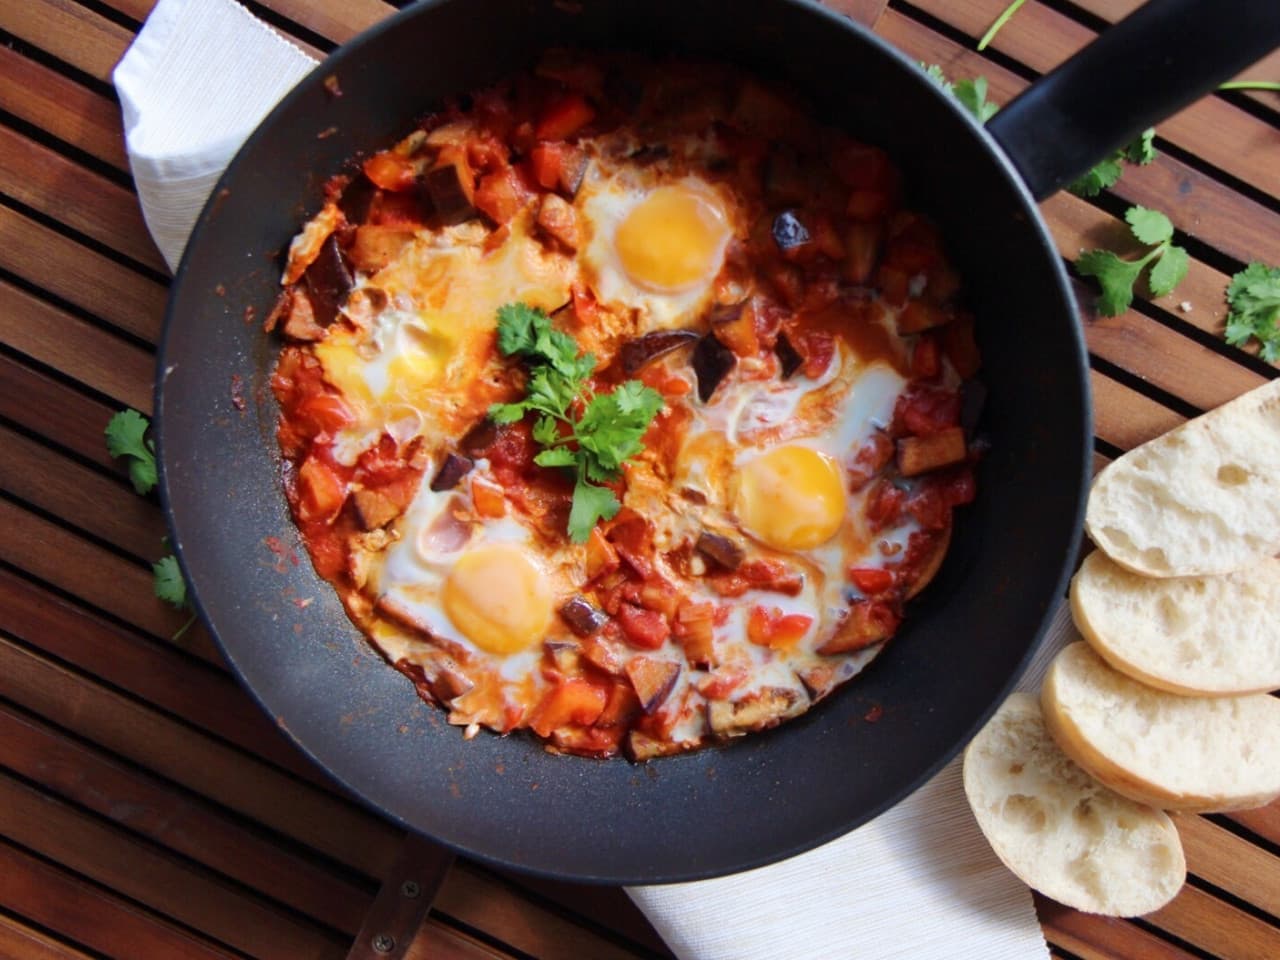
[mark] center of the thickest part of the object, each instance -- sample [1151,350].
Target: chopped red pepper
[564,117]
[871,579]
[645,629]
[390,171]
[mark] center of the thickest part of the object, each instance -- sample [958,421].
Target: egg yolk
[791,498]
[498,598]
[672,239]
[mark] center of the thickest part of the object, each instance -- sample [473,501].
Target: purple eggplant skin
[581,617]
[720,549]
[454,468]
[448,195]
[712,360]
[642,350]
[328,282]
[788,359]
[788,232]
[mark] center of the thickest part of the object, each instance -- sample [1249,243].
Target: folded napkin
[919,881]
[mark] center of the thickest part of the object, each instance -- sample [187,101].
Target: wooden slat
[84,497]
[435,941]
[166,885]
[81,276]
[1265,821]
[19,940]
[140,9]
[1125,418]
[1101,938]
[75,347]
[1227,861]
[1226,931]
[84,201]
[608,906]
[60,106]
[1211,128]
[86,913]
[176,820]
[75,35]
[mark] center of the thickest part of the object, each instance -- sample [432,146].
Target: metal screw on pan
[410,889]
[383,943]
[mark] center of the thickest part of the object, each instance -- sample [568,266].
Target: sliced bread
[1061,831]
[1198,754]
[1211,636]
[1202,499]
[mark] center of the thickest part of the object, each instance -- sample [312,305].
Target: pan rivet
[410,889]
[383,943]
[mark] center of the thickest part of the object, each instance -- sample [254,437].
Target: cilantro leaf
[1254,299]
[934,73]
[1143,149]
[590,504]
[591,433]
[168,583]
[1168,271]
[1115,276]
[972,94]
[126,437]
[1102,175]
[1149,226]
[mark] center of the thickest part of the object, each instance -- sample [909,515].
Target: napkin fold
[919,881]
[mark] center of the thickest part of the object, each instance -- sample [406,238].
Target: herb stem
[1251,85]
[1001,20]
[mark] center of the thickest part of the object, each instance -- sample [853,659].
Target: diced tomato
[871,580]
[391,171]
[884,505]
[960,487]
[545,162]
[488,498]
[923,410]
[929,508]
[722,682]
[564,117]
[511,452]
[486,154]
[645,629]
[324,413]
[869,205]
[403,209]
[926,359]
[577,700]
[770,627]
[321,491]
[873,457]
[502,194]
[817,347]
[772,575]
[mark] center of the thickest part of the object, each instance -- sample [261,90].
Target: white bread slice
[1199,754]
[1061,831]
[1211,636]
[1202,499]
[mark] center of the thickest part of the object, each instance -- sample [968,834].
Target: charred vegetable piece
[451,192]
[918,455]
[653,680]
[374,509]
[454,468]
[722,550]
[573,169]
[581,617]
[711,361]
[557,219]
[787,356]
[328,282]
[789,233]
[756,711]
[294,315]
[357,198]
[448,684]
[640,351]
[867,622]
[640,746]
[565,654]
[375,246]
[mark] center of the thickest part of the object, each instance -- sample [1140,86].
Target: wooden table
[147,809]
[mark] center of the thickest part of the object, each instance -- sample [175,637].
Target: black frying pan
[505,800]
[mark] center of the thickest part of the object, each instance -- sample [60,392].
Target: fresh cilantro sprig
[127,439]
[1254,299]
[591,433]
[1107,172]
[1117,276]
[971,92]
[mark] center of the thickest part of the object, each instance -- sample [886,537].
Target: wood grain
[74,34]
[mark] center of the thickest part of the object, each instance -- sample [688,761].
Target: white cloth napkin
[919,881]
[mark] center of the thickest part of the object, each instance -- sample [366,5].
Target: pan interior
[504,800]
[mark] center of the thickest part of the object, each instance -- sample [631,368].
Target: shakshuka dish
[622,402]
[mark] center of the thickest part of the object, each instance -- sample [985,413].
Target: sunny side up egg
[795,325]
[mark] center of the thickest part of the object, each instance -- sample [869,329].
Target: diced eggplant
[917,455]
[866,623]
[448,684]
[820,679]
[565,654]
[573,170]
[653,680]
[756,711]
[722,550]
[640,351]
[973,397]
[328,282]
[712,360]
[293,314]
[788,358]
[581,616]
[357,198]
[557,219]
[640,747]
[450,194]
[789,232]
[376,245]
[374,509]
[454,468]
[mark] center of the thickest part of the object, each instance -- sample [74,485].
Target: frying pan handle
[1162,57]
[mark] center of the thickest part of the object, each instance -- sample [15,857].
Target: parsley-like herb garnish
[1117,277]
[1107,172]
[593,434]
[971,92]
[1254,298]
[126,437]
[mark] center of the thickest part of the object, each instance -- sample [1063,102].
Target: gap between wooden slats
[1211,128]
[435,941]
[21,942]
[139,9]
[1101,938]
[1230,862]
[86,202]
[69,270]
[84,912]
[164,677]
[180,890]
[1226,931]
[75,35]
[1197,204]
[56,412]
[61,107]
[1265,821]
[96,357]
